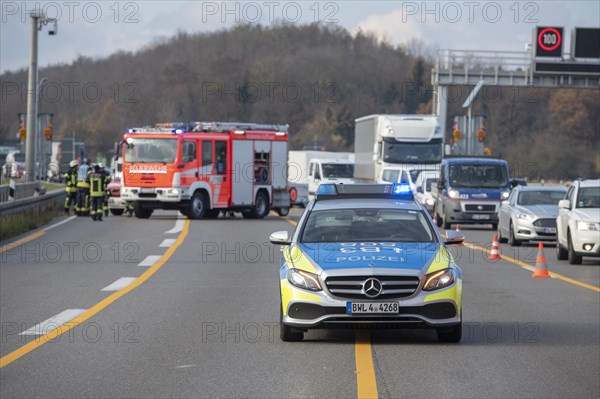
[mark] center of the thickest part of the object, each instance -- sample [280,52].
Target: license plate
[147,190]
[550,230]
[481,217]
[372,307]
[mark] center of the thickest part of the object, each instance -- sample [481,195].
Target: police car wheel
[452,334]
[287,333]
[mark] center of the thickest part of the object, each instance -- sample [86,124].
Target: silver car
[529,214]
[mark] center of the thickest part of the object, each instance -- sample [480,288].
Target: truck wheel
[261,205]
[140,211]
[574,259]
[117,212]
[283,211]
[197,206]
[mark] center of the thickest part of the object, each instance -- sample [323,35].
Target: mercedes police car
[368,255]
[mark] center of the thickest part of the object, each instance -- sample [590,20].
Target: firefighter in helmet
[107,179]
[97,188]
[82,206]
[71,181]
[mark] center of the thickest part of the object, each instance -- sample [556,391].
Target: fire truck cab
[203,168]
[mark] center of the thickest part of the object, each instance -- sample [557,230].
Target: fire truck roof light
[280,134]
[239,132]
[131,130]
[178,131]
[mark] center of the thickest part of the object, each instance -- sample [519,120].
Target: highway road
[167,307]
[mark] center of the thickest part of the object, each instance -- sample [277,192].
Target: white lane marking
[186,366]
[59,223]
[54,322]
[177,228]
[167,242]
[150,260]
[119,284]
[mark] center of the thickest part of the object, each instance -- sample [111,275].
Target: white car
[423,186]
[578,222]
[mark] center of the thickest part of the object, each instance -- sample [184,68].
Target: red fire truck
[203,168]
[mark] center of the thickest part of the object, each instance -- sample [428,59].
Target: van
[470,191]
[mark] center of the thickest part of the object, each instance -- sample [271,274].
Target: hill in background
[315,78]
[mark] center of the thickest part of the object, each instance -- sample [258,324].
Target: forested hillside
[317,79]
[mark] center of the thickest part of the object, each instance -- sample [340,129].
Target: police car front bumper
[306,309]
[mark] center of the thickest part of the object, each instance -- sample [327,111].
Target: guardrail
[33,205]
[22,190]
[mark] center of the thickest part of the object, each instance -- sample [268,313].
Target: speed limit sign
[548,41]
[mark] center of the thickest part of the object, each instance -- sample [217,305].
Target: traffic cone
[541,267]
[458,227]
[495,254]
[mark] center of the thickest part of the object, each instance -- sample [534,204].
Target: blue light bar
[131,130]
[326,189]
[178,131]
[400,191]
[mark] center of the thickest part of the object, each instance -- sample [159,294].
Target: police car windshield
[151,150]
[366,225]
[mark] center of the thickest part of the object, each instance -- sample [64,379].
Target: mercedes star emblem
[372,287]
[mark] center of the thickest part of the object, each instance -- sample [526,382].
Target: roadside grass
[14,225]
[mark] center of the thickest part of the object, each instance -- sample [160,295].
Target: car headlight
[525,216]
[587,226]
[302,279]
[174,191]
[440,279]
[453,193]
[505,194]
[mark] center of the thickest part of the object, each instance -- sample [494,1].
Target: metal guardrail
[35,204]
[22,190]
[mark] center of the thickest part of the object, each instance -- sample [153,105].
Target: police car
[368,255]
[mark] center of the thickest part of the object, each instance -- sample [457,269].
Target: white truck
[394,148]
[308,169]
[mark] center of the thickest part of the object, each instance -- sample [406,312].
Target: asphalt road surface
[166,307]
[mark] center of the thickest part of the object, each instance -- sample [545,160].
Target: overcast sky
[99,28]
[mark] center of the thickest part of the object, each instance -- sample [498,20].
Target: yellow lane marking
[366,383]
[22,241]
[25,349]
[529,267]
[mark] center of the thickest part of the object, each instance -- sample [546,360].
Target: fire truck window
[206,153]
[221,157]
[188,151]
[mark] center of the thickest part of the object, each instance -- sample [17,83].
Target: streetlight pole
[37,21]
[32,100]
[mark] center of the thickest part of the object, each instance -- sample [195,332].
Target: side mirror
[505,202]
[454,237]
[280,238]
[565,203]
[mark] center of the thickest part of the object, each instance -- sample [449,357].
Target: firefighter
[82,207]
[107,180]
[130,208]
[97,188]
[71,180]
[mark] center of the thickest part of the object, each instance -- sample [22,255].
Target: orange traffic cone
[541,267]
[458,227]
[495,254]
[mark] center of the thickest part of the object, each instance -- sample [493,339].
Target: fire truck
[204,168]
